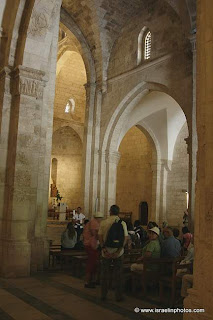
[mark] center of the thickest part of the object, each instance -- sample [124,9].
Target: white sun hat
[155,230]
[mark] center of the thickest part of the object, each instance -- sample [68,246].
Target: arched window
[147,45]
[67,108]
[70,106]
[144,45]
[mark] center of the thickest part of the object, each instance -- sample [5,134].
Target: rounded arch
[81,44]
[127,104]
[72,126]
[156,111]
[67,129]
[151,107]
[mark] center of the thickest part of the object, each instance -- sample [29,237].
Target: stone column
[112,160]
[88,141]
[156,176]
[95,148]
[20,196]
[165,167]
[201,296]
[192,143]
[5,103]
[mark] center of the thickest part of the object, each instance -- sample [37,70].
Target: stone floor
[60,296]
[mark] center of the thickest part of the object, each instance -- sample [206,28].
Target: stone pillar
[20,196]
[88,141]
[192,143]
[156,175]
[5,103]
[165,167]
[102,182]
[201,296]
[112,160]
[95,148]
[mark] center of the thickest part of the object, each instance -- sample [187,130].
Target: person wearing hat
[151,250]
[90,238]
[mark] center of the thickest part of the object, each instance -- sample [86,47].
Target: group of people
[108,238]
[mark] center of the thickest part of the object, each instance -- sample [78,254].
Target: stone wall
[71,77]
[54,231]
[29,50]
[134,174]
[178,180]
[167,36]
[68,127]
[67,149]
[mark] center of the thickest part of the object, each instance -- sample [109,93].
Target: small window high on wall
[70,106]
[147,45]
[144,45]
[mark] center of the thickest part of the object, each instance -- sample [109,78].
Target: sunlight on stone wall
[134,175]
[71,77]
[178,180]
[67,149]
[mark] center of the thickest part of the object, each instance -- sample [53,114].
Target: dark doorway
[143,213]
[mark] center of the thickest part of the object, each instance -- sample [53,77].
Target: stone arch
[70,125]
[129,101]
[83,47]
[116,130]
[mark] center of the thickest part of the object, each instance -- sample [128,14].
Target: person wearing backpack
[113,236]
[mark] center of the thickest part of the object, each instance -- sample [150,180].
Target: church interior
[101,103]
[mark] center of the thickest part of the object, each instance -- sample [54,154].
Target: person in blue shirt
[170,247]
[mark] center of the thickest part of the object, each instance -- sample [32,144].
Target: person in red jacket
[90,238]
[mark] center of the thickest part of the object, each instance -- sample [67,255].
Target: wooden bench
[67,256]
[54,252]
[78,263]
[63,256]
[148,275]
[173,281]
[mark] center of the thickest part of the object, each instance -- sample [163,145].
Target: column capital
[5,71]
[89,85]
[101,85]
[167,164]
[112,157]
[28,82]
[5,80]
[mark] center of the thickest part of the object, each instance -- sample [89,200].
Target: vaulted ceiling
[101,21]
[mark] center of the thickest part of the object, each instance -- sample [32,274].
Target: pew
[149,275]
[173,281]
